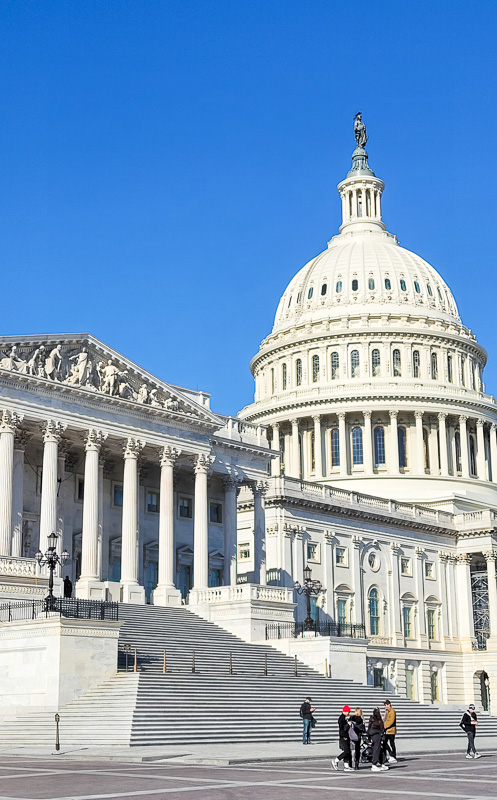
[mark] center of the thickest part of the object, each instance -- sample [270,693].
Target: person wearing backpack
[306,714]
[468,723]
[343,734]
[390,723]
[356,731]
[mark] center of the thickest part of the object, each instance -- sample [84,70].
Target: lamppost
[309,587]
[51,559]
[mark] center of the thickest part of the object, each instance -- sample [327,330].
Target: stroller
[366,756]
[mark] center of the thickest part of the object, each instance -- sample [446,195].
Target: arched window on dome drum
[272,382]
[402,441]
[463,370]
[449,368]
[415,364]
[338,287]
[355,285]
[357,454]
[315,369]
[368,203]
[284,376]
[430,290]
[350,204]
[397,364]
[298,372]
[434,367]
[473,376]
[335,447]
[379,446]
[417,287]
[359,204]
[354,364]
[324,288]
[426,449]
[472,455]
[457,444]
[376,363]
[374,612]
[282,451]
[310,293]
[388,284]
[403,285]
[439,294]
[313,452]
[335,366]
[371,284]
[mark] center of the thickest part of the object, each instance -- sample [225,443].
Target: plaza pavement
[416,777]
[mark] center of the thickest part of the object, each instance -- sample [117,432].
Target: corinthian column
[442,433]
[493,451]
[368,444]
[20,440]
[201,524]
[394,443]
[492,594]
[131,591]
[166,594]
[259,490]
[52,431]
[230,530]
[480,450]
[318,448]
[88,585]
[8,425]
[342,441]
[463,435]
[420,450]
[295,459]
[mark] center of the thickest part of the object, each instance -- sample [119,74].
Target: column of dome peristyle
[131,591]
[89,585]
[166,593]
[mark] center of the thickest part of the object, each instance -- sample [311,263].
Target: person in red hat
[343,733]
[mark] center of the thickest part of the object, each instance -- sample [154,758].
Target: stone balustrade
[17,567]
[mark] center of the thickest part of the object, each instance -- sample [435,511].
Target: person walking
[357,730]
[343,734]
[306,713]
[469,723]
[67,586]
[376,730]
[390,725]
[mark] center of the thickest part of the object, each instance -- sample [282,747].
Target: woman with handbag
[376,732]
[356,731]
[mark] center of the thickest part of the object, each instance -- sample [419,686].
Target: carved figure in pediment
[171,404]
[143,396]
[110,375]
[154,400]
[9,361]
[53,364]
[81,368]
[125,389]
[36,361]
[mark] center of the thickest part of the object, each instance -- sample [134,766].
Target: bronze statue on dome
[360,131]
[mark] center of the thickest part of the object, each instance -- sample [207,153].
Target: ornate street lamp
[308,588]
[51,559]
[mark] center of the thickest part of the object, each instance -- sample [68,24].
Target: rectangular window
[341,556]
[185,507]
[243,552]
[80,488]
[117,495]
[434,686]
[429,569]
[405,566]
[152,500]
[432,633]
[342,612]
[313,552]
[406,616]
[215,512]
[335,448]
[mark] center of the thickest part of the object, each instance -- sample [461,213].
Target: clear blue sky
[166,167]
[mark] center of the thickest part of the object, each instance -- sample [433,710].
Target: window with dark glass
[374,612]
[457,442]
[432,633]
[338,287]
[379,446]
[417,288]
[310,293]
[324,288]
[402,441]
[355,285]
[283,376]
[376,363]
[403,285]
[272,381]
[215,512]
[335,448]
[388,284]
[434,367]
[416,361]
[397,365]
[472,455]
[298,371]
[315,369]
[185,507]
[449,368]
[117,495]
[430,291]
[371,284]
[426,448]
[357,453]
[335,366]
[354,363]
[290,302]
[342,612]
[152,501]
[406,617]
[463,370]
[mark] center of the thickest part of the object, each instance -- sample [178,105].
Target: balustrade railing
[61,607]
[294,630]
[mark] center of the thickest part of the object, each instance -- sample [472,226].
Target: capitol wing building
[369,455]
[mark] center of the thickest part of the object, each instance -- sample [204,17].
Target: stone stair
[211,705]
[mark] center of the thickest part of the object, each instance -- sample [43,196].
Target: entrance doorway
[378,678]
[485,691]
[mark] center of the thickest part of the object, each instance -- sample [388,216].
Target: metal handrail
[292,630]
[73,608]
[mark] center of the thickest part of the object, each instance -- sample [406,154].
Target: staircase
[212,705]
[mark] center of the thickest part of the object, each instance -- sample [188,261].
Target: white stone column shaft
[89,544]
[295,459]
[394,444]
[420,450]
[464,601]
[480,451]
[342,440]
[129,541]
[442,433]
[463,434]
[7,431]
[48,513]
[492,591]
[18,494]
[368,444]
[259,533]
[318,447]
[493,451]
[168,459]
[275,445]
[230,531]
[201,524]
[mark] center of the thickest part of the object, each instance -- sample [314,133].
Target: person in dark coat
[357,730]
[375,732]
[343,733]
[67,586]
[469,724]
[306,710]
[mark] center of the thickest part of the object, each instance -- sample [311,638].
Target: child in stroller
[366,756]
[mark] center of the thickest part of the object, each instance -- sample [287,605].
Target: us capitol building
[369,455]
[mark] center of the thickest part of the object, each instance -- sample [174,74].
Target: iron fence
[59,607]
[292,630]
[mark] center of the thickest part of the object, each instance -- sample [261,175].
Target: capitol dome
[368,377]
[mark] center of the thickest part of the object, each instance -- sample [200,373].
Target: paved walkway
[413,778]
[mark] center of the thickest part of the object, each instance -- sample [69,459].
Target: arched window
[298,371]
[335,366]
[457,443]
[313,452]
[397,366]
[282,451]
[402,440]
[430,290]
[388,284]
[417,287]
[284,376]
[434,367]
[374,612]
[272,382]
[472,455]
[315,369]
[335,447]
[376,363]
[357,455]
[416,364]
[440,294]
[426,448]
[354,363]
[355,285]
[379,446]
[310,293]
[324,288]
[371,284]
[403,285]
[449,368]
[359,204]
[338,287]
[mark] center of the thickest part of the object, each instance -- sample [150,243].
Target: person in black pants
[343,733]
[375,733]
[356,731]
[306,715]
[468,723]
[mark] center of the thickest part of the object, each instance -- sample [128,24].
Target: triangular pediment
[81,363]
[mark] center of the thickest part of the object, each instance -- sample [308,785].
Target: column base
[132,593]
[166,596]
[90,589]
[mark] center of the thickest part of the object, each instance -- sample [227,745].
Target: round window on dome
[430,290]
[355,285]
[388,284]
[324,288]
[310,293]
[371,284]
[403,285]
[338,287]
[417,287]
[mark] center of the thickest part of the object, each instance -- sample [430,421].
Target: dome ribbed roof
[365,273]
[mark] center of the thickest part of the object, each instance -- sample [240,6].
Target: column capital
[395,547]
[393,414]
[490,555]
[94,439]
[316,417]
[260,487]
[463,419]
[367,414]
[52,430]
[420,551]
[232,482]
[275,426]
[341,415]
[493,427]
[480,423]
[418,415]
[442,416]
[132,448]
[9,421]
[21,438]
[464,558]
[295,421]
[203,463]
[168,456]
